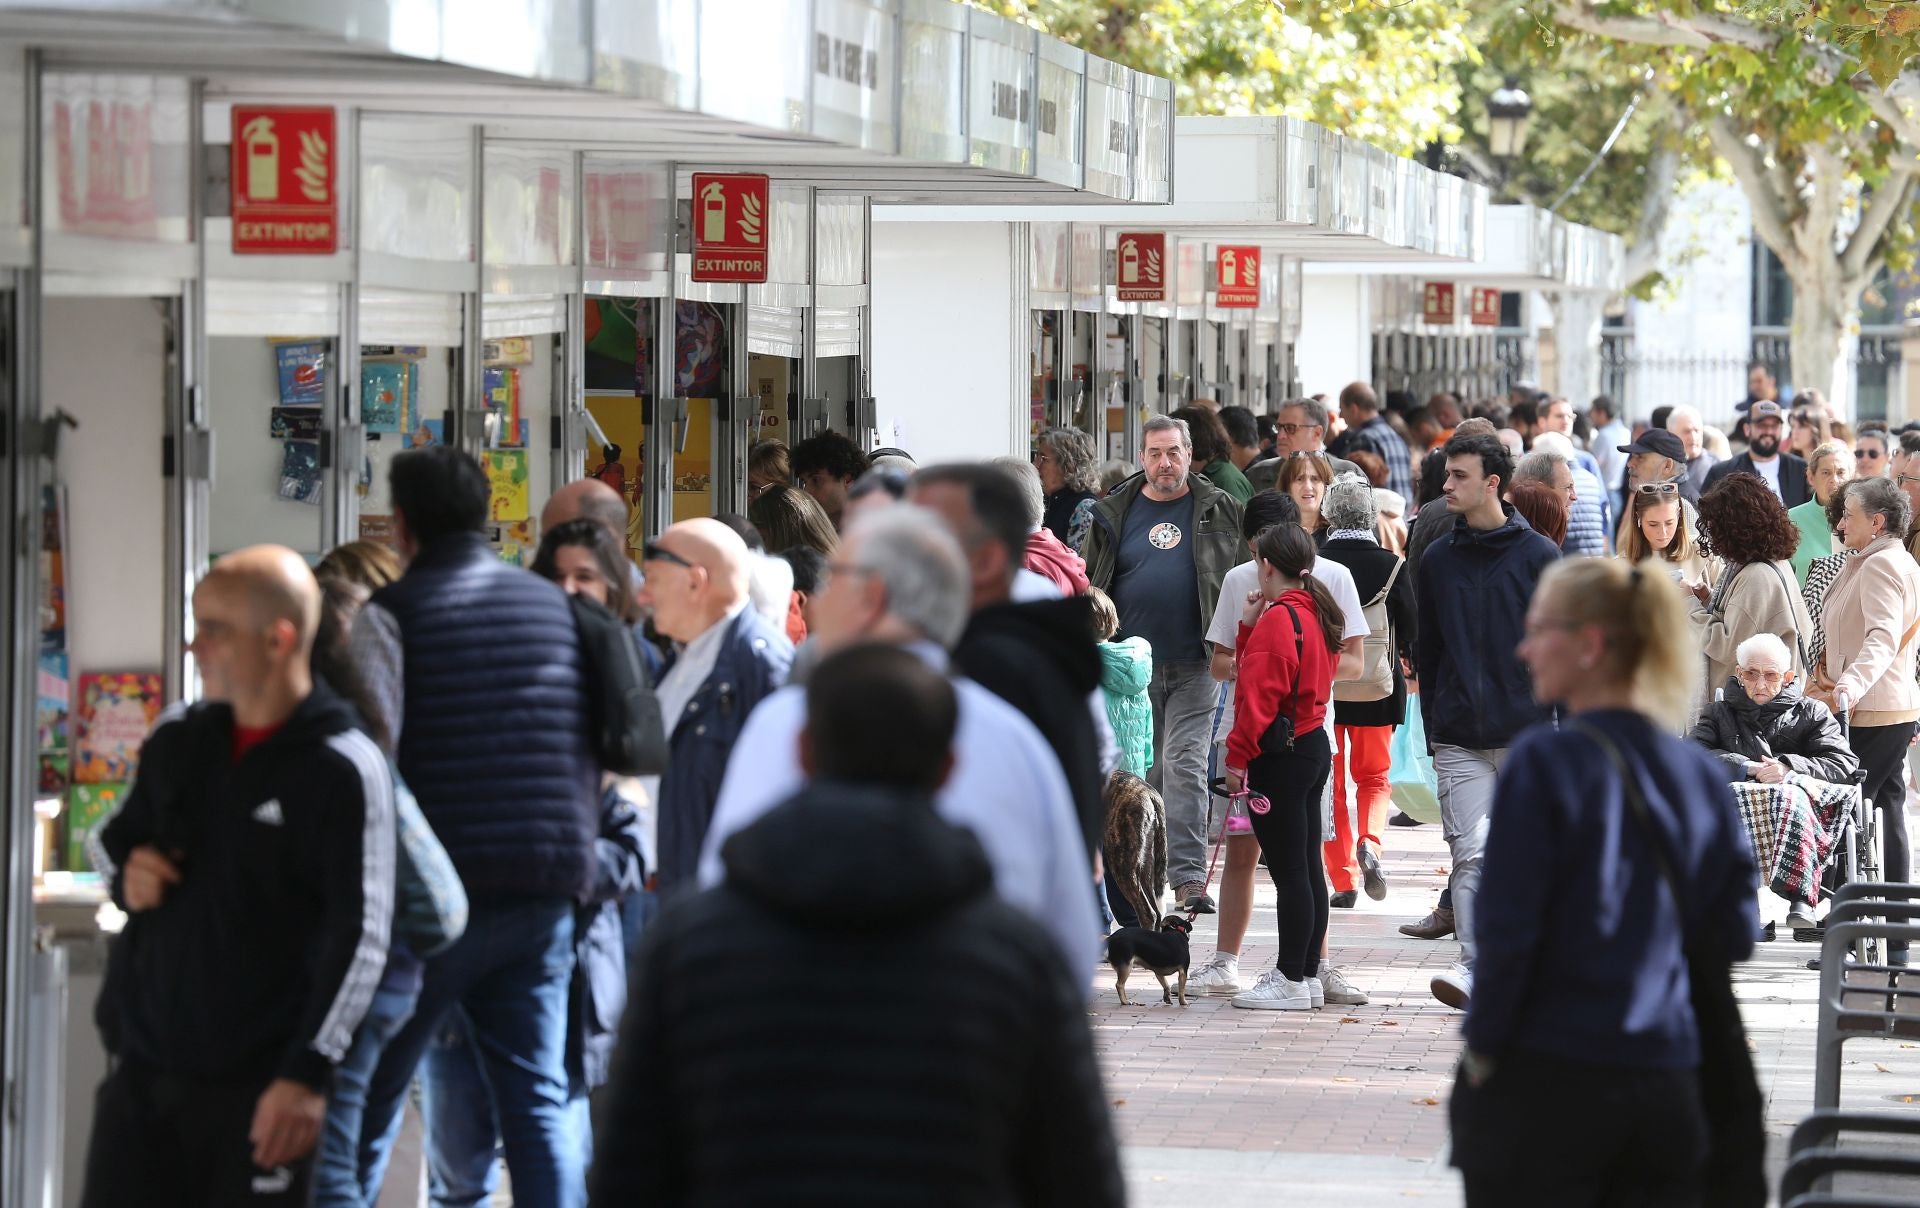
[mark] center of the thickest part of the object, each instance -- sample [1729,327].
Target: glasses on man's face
[653,551]
[1293,429]
[1906,478]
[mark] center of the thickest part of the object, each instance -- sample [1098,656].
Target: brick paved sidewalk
[1226,1107]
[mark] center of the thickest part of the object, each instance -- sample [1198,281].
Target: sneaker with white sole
[1340,992]
[1316,992]
[1273,992]
[1220,976]
[1454,986]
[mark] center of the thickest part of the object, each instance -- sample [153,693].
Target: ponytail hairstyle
[1649,635]
[1288,549]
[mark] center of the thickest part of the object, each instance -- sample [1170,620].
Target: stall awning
[1529,248]
[926,100]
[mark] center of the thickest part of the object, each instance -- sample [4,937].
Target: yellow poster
[507,476]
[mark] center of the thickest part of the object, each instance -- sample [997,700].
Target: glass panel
[617,334]
[1000,88]
[417,194]
[933,42]
[529,207]
[703,355]
[648,50]
[757,70]
[626,219]
[116,156]
[1058,113]
[410,365]
[1153,134]
[853,72]
[1109,128]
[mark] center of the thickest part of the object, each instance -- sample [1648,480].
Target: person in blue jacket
[1473,589]
[1581,1083]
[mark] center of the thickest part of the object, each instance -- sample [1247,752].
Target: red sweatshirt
[1264,683]
[1048,555]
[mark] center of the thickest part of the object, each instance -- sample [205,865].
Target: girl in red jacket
[1289,643]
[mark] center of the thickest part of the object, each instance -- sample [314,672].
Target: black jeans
[1579,1135]
[1289,835]
[162,1141]
[1882,751]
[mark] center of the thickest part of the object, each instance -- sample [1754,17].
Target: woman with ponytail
[1289,647]
[1617,891]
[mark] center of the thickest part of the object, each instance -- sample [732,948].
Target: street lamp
[1509,113]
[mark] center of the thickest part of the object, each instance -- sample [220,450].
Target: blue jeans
[336,1171]
[508,974]
[462,1130]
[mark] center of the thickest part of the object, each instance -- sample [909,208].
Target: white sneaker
[1316,992]
[1340,992]
[1454,987]
[1219,976]
[1273,992]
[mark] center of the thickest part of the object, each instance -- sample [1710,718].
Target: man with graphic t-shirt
[1160,546]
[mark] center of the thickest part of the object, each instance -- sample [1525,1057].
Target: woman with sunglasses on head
[1617,890]
[1661,526]
[1289,648]
[1829,468]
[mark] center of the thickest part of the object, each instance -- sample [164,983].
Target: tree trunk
[1823,313]
[1577,316]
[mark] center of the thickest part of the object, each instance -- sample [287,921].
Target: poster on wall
[112,714]
[383,395]
[501,391]
[378,528]
[303,372]
[295,423]
[53,699]
[509,350]
[507,478]
[87,806]
[300,477]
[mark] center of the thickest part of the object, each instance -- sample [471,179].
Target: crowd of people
[395,844]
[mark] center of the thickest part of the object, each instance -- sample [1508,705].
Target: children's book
[88,805]
[112,714]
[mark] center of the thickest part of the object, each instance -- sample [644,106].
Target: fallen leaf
[1388,1023]
[1883,1069]
[1350,1019]
[1119,1102]
[1429,1101]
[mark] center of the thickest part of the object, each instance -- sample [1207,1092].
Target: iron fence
[1715,383]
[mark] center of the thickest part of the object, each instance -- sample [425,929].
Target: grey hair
[1882,497]
[1029,479]
[1349,504]
[1683,410]
[1315,410]
[1762,643]
[918,560]
[1538,466]
[1073,451]
[1166,423]
[1113,472]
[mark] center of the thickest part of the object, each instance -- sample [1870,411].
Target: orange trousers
[1362,754]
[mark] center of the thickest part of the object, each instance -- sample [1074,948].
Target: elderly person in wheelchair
[1793,773]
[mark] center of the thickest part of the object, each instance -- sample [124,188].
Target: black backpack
[622,709]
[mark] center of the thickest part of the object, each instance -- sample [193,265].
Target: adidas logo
[268,812]
[278,1180]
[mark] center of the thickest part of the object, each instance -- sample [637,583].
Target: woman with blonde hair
[1659,525]
[1617,891]
[369,563]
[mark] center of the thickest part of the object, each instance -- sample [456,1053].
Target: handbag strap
[1299,667]
[1643,815]
[1806,664]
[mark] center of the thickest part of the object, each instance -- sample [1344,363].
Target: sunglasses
[1658,488]
[1867,455]
[653,551]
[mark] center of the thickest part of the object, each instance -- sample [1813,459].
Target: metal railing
[1641,380]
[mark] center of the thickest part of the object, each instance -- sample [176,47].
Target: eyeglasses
[1907,478]
[1868,454]
[1294,429]
[653,551]
[1657,488]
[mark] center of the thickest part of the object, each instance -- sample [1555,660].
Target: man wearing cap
[1783,472]
[1657,455]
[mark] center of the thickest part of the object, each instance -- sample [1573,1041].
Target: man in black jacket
[1785,473]
[941,1054]
[1039,657]
[255,858]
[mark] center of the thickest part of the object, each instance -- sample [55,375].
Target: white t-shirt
[1245,578]
[1770,471]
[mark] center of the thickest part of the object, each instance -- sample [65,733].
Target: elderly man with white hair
[1790,765]
[900,578]
[1685,423]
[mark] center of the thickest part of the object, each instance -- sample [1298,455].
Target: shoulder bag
[628,734]
[1734,1173]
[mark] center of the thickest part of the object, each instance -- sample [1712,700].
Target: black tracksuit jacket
[261,962]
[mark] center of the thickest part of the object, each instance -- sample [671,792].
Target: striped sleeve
[358,871]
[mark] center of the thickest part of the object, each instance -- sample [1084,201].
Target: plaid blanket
[1793,826]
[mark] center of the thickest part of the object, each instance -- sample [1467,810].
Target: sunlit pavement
[1347,1105]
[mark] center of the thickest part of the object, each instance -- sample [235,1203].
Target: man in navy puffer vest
[494,743]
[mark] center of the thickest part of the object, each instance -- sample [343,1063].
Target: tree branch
[1882,208]
[1749,168]
[1699,31]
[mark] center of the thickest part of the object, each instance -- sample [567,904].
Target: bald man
[587,499]
[254,856]
[730,659]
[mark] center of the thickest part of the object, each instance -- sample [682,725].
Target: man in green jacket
[1160,545]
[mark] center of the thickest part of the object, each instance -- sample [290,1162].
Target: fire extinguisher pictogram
[263,160]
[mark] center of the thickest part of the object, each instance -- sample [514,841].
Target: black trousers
[1883,752]
[161,1141]
[1578,1135]
[1289,835]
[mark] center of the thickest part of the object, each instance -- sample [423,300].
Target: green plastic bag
[1415,788]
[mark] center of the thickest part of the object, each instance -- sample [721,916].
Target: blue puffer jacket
[753,661]
[494,737]
[1474,587]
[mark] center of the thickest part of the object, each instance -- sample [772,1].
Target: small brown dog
[1135,843]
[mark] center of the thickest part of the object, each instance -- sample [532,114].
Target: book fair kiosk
[1117,314]
[249,251]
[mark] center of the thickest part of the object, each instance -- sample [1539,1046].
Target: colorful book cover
[53,566]
[383,395]
[394,352]
[53,698]
[300,478]
[507,475]
[303,373]
[112,714]
[507,350]
[56,773]
[87,806]
[434,432]
[502,389]
[296,423]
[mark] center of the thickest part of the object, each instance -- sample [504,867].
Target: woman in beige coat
[1872,617]
[1747,528]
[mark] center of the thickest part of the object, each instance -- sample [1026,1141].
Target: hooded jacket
[1793,728]
[262,961]
[940,1054]
[1054,559]
[1473,592]
[1126,670]
[1218,546]
[1040,658]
